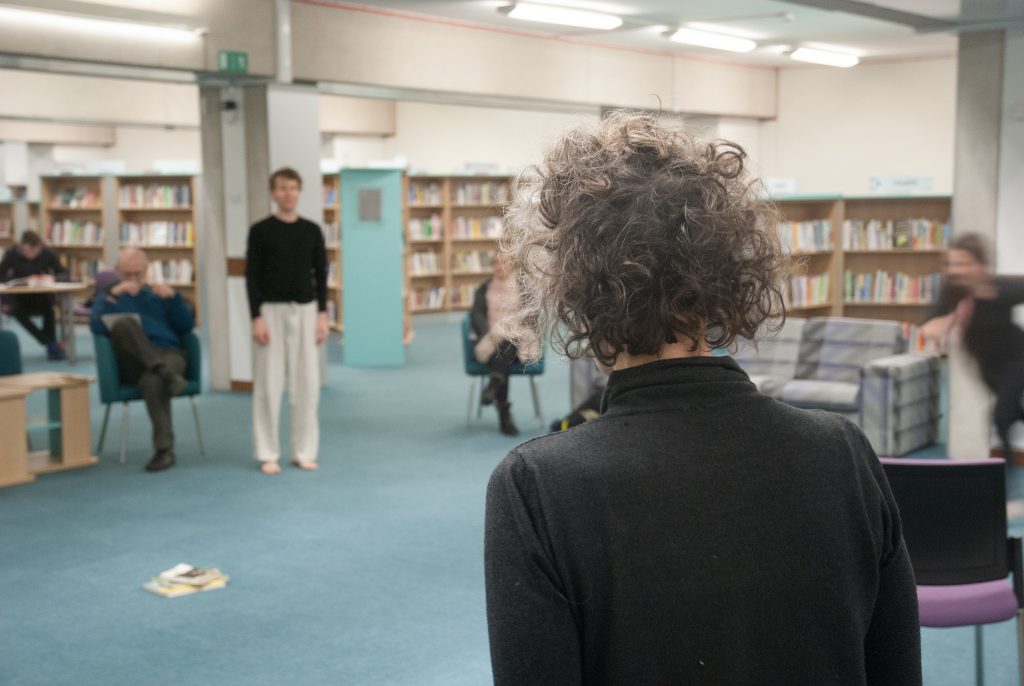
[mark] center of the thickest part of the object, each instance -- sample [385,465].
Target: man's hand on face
[162,290]
[127,287]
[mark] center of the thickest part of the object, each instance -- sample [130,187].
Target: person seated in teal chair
[494,300]
[146,324]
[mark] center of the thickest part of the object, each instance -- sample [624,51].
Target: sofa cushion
[836,348]
[837,396]
[774,356]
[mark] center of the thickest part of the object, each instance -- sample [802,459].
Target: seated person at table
[149,345]
[494,300]
[33,262]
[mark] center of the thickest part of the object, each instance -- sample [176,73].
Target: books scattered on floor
[184,579]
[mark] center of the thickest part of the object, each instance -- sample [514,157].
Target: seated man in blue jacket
[148,345]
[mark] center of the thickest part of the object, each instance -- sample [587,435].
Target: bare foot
[270,468]
[1014,509]
[304,464]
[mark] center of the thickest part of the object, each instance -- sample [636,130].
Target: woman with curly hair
[698,531]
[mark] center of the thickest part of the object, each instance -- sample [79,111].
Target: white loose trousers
[291,357]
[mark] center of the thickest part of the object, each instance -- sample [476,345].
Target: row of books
[912,335]
[184,579]
[805,291]
[333,278]
[426,228]
[76,197]
[74,232]
[6,227]
[481,193]
[332,311]
[332,233]
[425,194]
[812,236]
[426,298]
[424,263]
[330,195]
[477,227]
[170,271]
[155,195]
[473,261]
[158,233]
[885,287]
[83,270]
[878,234]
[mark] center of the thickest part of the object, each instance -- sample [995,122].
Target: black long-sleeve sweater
[15,265]
[698,533]
[285,262]
[992,337]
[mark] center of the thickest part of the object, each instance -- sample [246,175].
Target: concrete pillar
[988,174]
[247,132]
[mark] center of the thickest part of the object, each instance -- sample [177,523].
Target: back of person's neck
[287,217]
[670,351]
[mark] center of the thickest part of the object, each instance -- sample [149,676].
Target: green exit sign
[233,62]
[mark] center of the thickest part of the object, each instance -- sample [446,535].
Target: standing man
[286,277]
[147,342]
[32,260]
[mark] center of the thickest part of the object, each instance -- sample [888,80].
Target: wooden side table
[14,448]
[67,419]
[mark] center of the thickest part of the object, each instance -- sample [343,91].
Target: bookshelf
[73,219]
[157,213]
[452,228]
[8,233]
[884,258]
[332,238]
[809,230]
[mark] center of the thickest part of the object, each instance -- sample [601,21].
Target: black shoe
[508,427]
[161,460]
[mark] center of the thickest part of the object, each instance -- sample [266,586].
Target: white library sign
[900,185]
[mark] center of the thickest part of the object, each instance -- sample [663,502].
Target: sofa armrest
[899,409]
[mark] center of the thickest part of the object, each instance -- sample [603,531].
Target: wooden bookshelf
[332,237]
[458,220]
[813,259]
[8,230]
[73,220]
[914,262]
[157,214]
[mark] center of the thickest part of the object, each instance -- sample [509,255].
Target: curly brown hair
[632,234]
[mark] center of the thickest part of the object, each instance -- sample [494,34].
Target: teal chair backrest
[112,390]
[10,354]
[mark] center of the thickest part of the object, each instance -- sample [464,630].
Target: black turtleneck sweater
[698,533]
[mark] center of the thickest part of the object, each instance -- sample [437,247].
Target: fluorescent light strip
[830,59]
[551,14]
[103,27]
[718,41]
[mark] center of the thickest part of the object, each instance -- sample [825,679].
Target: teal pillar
[372,253]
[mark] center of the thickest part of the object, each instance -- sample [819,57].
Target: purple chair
[954,523]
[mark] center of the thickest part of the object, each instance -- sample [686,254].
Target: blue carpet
[367,572]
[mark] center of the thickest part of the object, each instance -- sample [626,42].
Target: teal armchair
[479,372]
[10,354]
[112,390]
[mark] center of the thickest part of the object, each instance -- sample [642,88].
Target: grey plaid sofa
[854,367]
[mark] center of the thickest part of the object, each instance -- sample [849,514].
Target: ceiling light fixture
[98,26]
[830,59]
[718,41]
[552,14]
